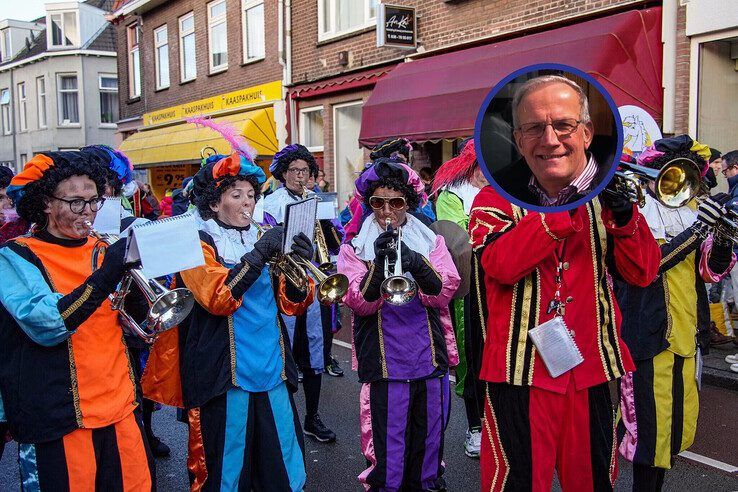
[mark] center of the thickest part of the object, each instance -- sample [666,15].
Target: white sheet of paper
[299,217]
[107,220]
[326,210]
[166,246]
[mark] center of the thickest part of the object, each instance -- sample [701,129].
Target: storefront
[170,149]
[326,118]
[434,100]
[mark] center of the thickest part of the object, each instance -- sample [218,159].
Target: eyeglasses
[298,170]
[564,127]
[78,205]
[725,171]
[395,202]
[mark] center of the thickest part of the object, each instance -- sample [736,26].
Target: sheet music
[107,219]
[299,217]
[165,246]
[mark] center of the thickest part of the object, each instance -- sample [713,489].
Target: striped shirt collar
[581,184]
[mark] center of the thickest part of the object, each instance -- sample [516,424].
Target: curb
[719,379]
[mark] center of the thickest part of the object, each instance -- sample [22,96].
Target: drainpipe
[288,69]
[11,105]
[669,40]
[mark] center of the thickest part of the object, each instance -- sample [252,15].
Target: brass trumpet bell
[675,184]
[397,289]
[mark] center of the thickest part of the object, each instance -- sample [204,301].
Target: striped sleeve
[27,297]
[213,284]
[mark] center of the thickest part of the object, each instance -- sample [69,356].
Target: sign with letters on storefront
[396,26]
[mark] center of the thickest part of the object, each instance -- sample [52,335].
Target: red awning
[340,83]
[439,97]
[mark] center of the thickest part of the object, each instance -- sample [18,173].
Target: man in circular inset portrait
[555,156]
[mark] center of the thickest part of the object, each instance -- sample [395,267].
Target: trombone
[331,288]
[675,184]
[397,289]
[167,308]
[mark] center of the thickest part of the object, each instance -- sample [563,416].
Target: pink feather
[237,141]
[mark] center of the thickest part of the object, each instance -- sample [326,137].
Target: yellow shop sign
[243,98]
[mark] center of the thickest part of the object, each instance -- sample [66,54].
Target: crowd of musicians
[628,281]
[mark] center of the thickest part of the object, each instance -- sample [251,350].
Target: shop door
[348,156]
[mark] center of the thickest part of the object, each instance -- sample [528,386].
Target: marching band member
[311,333]
[65,377]
[237,373]
[663,322]
[458,182]
[401,351]
[536,267]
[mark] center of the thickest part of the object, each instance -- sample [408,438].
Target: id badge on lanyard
[552,339]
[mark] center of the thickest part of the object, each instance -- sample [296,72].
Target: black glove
[384,247]
[411,261]
[113,267]
[621,206]
[302,246]
[709,211]
[265,248]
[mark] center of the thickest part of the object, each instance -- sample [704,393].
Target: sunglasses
[396,202]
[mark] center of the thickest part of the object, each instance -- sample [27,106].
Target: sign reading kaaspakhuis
[244,98]
[396,26]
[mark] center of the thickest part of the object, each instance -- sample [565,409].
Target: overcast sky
[25,10]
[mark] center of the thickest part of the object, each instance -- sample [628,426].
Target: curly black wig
[395,183]
[659,162]
[66,164]
[210,195]
[288,155]
[6,174]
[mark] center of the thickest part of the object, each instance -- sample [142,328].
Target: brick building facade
[243,89]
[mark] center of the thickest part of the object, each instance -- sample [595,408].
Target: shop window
[337,17]
[22,107]
[64,30]
[253,29]
[161,55]
[5,110]
[717,105]
[108,87]
[311,128]
[187,58]
[349,156]
[134,61]
[217,36]
[41,101]
[68,98]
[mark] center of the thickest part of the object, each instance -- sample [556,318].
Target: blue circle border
[478,144]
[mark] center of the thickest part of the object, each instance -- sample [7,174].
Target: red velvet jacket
[517,252]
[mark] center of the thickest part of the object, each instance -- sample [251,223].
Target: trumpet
[167,308]
[726,227]
[397,289]
[675,184]
[331,288]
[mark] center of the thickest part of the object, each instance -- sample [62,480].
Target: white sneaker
[473,441]
[734,367]
[731,359]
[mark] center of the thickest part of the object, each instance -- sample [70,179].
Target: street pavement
[334,467]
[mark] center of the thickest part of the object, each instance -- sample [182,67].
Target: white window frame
[41,112]
[22,92]
[5,114]
[182,34]
[50,28]
[59,92]
[334,121]
[157,46]
[134,53]
[214,22]
[102,90]
[303,127]
[331,31]
[4,54]
[248,5]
